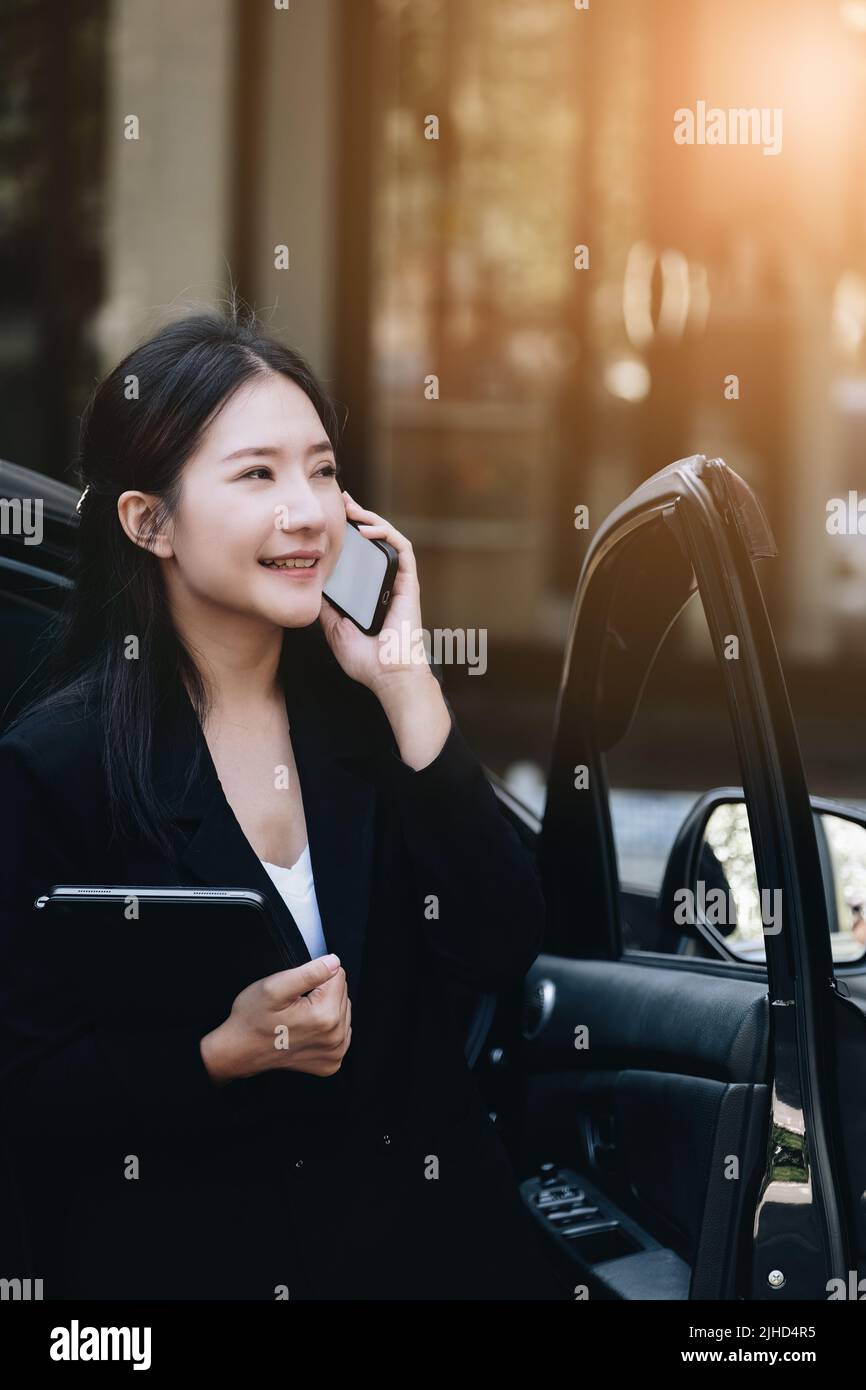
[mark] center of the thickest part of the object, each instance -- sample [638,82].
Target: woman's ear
[135,511]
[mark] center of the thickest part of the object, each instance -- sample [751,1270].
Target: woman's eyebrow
[322,446]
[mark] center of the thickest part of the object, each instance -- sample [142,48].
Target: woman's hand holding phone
[299,1019]
[360,653]
[407,690]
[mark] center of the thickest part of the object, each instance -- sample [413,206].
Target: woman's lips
[293,572]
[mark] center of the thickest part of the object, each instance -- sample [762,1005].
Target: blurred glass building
[433,169]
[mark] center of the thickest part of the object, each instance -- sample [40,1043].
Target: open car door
[687,1108]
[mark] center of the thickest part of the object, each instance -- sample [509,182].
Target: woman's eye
[329,471]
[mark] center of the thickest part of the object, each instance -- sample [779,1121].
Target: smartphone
[362,581]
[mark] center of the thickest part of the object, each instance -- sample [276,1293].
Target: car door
[35,558]
[36,544]
[682,1132]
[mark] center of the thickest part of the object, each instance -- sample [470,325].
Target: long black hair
[138,429]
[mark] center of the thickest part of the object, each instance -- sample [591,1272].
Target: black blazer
[138,1177]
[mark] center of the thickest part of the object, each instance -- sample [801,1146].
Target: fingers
[322,993]
[371,524]
[342,1016]
[340,1027]
[345,1035]
[287,985]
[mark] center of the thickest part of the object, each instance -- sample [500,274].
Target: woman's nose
[299,510]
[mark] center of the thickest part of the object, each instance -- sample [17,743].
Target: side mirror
[710,890]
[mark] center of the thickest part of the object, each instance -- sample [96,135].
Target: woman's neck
[240,677]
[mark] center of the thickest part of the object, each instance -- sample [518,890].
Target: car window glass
[679,745]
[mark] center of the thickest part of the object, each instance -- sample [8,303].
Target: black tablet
[134,944]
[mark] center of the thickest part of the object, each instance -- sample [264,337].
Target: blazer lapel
[339,809]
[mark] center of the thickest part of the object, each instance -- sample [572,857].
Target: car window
[679,746]
[846,848]
[23,625]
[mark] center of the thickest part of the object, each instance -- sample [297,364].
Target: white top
[298,891]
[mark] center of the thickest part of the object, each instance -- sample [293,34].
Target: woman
[212,721]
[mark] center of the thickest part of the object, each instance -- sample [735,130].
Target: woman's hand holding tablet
[297,1019]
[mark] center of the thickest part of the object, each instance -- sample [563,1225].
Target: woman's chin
[300,612]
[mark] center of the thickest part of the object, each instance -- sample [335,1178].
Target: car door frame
[720,529]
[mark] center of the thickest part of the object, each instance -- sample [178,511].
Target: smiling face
[262,484]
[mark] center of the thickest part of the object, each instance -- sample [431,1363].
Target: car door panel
[674,1072]
[644,1016]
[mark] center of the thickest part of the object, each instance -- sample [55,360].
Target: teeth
[289,564]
